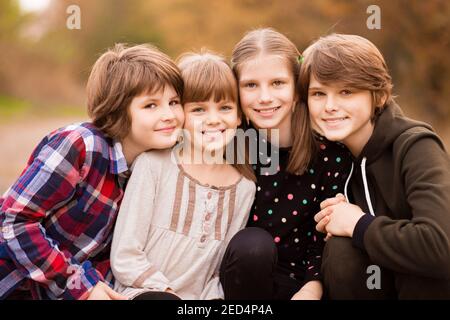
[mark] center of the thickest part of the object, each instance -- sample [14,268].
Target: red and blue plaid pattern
[56,221]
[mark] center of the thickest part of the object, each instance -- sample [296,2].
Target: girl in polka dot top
[278,255]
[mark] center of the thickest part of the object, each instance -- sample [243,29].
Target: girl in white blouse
[180,209]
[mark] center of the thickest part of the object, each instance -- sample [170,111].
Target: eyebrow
[153,99]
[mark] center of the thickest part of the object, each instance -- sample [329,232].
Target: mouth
[267,111]
[213,132]
[334,121]
[213,135]
[166,129]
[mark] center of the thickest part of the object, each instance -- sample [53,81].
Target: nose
[330,104]
[167,113]
[212,118]
[265,96]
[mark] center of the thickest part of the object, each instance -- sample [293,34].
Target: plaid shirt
[56,221]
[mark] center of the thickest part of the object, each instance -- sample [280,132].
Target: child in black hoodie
[389,236]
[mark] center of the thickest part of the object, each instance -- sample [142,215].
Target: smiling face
[155,121]
[267,92]
[341,113]
[211,125]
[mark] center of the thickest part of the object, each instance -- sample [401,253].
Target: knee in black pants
[248,265]
[345,273]
[420,288]
[156,295]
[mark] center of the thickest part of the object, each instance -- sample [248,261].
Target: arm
[414,246]
[420,245]
[48,182]
[129,261]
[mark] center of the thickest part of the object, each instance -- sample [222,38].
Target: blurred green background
[44,65]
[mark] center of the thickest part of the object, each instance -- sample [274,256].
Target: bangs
[206,80]
[149,81]
[333,66]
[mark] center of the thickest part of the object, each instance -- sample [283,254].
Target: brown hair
[350,60]
[267,41]
[207,76]
[121,74]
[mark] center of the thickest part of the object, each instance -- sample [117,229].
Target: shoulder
[416,136]
[327,147]
[84,135]
[420,147]
[155,160]
[331,154]
[75,143]
[247,186]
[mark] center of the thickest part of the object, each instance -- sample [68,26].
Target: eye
[197,109]
[150,106]
[277,83]
[174,103]
[250,85]
[346,92]
[317,94]
[226,108]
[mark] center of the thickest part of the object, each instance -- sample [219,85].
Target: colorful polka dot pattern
[285,205]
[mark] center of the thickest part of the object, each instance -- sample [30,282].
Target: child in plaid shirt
[56,220]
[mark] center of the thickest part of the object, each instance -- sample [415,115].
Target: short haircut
[207,76]
[122,73]
[349,60]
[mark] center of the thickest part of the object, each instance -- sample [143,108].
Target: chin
[164,144]
[267,124]
[214,147]
[334,136]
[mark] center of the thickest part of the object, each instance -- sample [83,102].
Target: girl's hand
[312,290]
[339,219]
[168,290]
[102,291]
[322,217]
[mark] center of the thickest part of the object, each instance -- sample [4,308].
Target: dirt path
[17,141]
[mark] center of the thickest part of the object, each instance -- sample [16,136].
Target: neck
[356,142]
[283,136]
[196,157]
[130,151]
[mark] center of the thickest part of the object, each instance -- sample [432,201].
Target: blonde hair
[350,60]
[119,75]
[207,76]
[267,41]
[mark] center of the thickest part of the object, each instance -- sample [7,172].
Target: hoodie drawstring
[346,184]
[366,188]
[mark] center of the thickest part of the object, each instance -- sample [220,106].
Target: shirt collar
[118,163]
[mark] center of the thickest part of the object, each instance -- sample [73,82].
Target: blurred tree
[10,19]
[414,37]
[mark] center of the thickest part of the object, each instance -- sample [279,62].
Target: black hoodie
[401,180]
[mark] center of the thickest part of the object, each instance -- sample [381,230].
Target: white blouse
[172,231]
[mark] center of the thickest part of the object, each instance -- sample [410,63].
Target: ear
[296,97]
[383,99]
[239,120]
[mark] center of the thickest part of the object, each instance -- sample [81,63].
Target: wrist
[353,224]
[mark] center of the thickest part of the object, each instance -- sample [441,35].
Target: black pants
[156,295]
[345,276]
[249,269]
